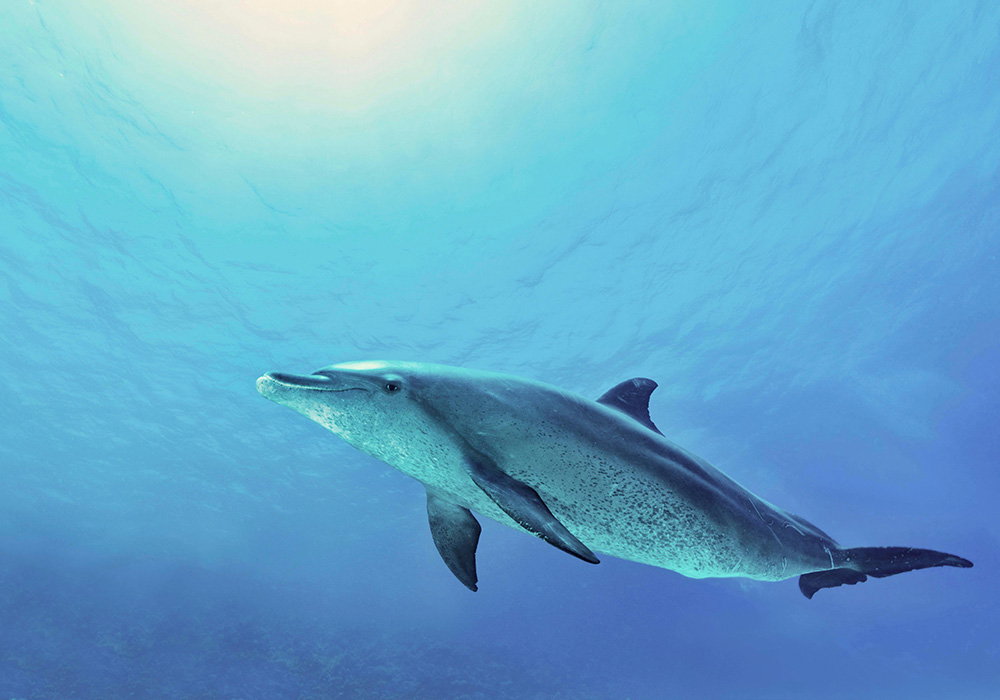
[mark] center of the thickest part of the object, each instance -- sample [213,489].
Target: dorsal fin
[631,397]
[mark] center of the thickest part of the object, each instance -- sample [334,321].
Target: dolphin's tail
[857,564]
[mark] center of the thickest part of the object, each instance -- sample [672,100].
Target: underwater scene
[340,339]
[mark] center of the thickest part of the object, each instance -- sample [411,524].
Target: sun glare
[353,48]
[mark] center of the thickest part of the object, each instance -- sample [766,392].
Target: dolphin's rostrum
[585,476]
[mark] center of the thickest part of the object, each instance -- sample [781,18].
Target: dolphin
[585,476]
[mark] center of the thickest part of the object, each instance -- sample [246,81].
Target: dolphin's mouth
[318,381]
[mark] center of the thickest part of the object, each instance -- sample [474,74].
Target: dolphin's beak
[277,382]
[312,381]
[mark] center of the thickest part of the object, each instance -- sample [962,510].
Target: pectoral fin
[456,535]
[525,506]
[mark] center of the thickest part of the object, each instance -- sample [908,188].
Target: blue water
[788,214]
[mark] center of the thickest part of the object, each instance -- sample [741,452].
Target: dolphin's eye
[392,387]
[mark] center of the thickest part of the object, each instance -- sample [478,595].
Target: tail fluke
[857,564]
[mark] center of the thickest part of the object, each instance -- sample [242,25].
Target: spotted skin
[619,487]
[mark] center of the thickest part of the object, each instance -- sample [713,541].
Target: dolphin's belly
[657,513]
[667,530]
[632,505]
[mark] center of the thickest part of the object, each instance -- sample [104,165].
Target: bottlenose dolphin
[582,475]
